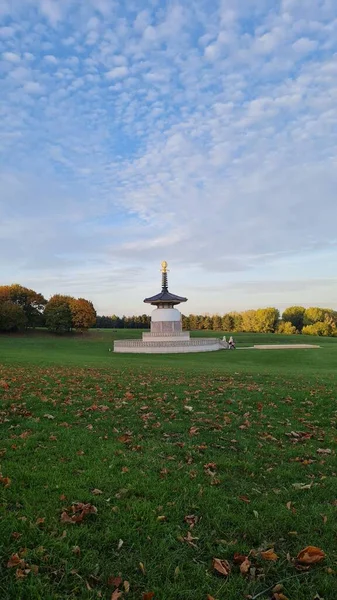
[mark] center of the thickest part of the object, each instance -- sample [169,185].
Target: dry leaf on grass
[245,566]
[221,566]
[269,555]
[116,594]
[5,481]
[310,555]
[148,595]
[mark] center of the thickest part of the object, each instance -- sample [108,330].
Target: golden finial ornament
[164,266]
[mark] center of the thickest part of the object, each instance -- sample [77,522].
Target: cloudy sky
[200,132]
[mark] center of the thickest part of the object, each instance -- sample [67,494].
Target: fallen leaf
[120,544]
[5,481]
[310,555]
[302,486]
[126,586]
[269,555]
[76,550]
[245,566]
[148,595]
[116,594]
[278,588]
[142,568]
[210,597]
[279,597]
[14,561]
[239,558]
[96,492]
[244,499]
[324,451]
[115,581]
[221,566]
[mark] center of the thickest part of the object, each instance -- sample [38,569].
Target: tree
[58,316]
[248,322]
[286,328]
[227,323]
[12,317]
[295,316]
[237,321]
[319,328]
[83,314]
[217,323]
[313,315]
[31,302]
[266,320]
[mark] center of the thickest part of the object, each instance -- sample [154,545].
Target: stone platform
[181,344]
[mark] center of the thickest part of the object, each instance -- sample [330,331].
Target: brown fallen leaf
[116,594]
[239,558]
[269,555]
[324,451]
[40,520]
[221,566]
[96,492]
[15,561]
[210,597]
[115,581]
[148,595]
[280,596]
[126,586]
[76,550]
[244,499]
[6,481]
[245,566]
[310,555]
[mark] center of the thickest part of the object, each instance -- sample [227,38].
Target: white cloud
[33,87]
[51,59]
[304,45]
[117,72]
[11,57]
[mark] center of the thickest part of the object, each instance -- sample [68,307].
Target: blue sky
[202,133]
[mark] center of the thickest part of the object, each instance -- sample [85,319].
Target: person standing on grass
[224,342]
[231,343]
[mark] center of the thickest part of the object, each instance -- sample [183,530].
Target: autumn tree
[30,301]
[217,323]
[266,320]
[286,328]
[295,316]
[83,314]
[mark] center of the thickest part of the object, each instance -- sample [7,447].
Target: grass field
[185,458]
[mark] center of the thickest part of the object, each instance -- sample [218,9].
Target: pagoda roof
[164,297]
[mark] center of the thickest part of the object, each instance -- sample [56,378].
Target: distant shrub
[323,329]
[286,328]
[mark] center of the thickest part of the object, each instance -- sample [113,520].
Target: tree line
[295,320]
[21,307]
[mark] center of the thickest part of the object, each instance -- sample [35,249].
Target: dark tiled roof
[165,297]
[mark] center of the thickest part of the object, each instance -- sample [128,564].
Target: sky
[202,133]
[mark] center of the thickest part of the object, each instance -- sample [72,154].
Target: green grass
[76,417]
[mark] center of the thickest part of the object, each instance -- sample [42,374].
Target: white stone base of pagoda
[170,345]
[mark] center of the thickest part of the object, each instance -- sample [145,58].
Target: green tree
[295,316]
[58,316]
[12,317]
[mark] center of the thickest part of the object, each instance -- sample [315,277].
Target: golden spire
[164,266]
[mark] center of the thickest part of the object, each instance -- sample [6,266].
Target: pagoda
[166,334]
